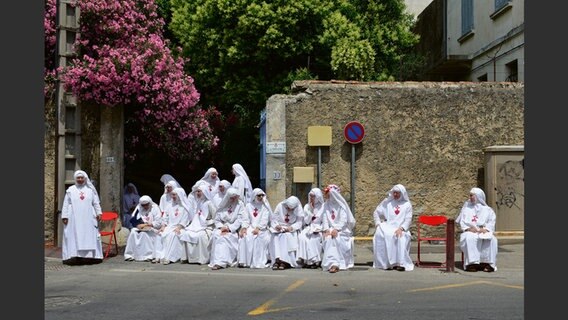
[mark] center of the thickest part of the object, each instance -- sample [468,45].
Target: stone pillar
[112,151]
[275,161]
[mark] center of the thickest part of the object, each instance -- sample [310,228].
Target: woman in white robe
[477,240]
[225,240]
[224,185]
[197,235]
[242,182]
[175,219]
[80,214]
[391,242]
[285,223]
[143,238]
[169,185]
[211,178]
[338,223]
[254,236]
[310,240]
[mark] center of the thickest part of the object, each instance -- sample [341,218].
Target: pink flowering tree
[123,59]
[50,39]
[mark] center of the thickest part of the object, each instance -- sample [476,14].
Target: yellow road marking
[263,308]
[466,284]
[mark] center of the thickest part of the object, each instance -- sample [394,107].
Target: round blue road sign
[354,132]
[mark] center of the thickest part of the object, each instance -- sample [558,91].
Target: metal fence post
[450,245]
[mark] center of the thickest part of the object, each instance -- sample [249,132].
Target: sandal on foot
[471,268]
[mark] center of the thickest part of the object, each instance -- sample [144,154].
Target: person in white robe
[477,240]
[143,242]
[175,219]
[391,242]
[197,235]
[338,223]
[169,185]
[224,185]
[242,182]
[211,177]
[225,240]
[254,236]
[285,223]
[80,215]
[310,240]
[130,200]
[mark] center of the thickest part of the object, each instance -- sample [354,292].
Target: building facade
[467,40]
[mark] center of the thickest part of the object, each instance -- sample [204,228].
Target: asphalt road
[116,289]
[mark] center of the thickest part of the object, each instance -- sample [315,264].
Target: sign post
[354,133]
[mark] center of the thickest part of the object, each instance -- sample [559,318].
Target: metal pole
[450,245]
[319,167]
[353,179]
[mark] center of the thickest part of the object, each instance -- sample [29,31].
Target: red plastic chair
[112,218]
[435,222]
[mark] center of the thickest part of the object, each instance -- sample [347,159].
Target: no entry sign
[354,132]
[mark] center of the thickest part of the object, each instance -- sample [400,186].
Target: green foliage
[243,51]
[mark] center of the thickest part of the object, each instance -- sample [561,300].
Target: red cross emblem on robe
[230,210]
[397,210]
[474,218]
[177,212]
[81,195]
[255,212]
[287,219]
[332,215]
[199,212]
[313,217]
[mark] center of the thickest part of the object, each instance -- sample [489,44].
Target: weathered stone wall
[428,136]
[49,178]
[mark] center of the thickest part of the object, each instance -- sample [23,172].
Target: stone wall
[428,136]
[49,178]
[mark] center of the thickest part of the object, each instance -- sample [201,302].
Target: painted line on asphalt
[457,285]
[217,273]
[265,307]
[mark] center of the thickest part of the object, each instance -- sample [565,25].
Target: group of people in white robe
[216,225]
[225,224]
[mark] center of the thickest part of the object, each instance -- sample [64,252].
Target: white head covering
[182,199]
[168,179]
[140,210]
[479,196]
[335,197]
[293,203]
[318,194]
[200,185]
[226,184]
[207,177]
[403,194]
[226,199]
[263,202]
[478,205]
[88,182]
[240,172]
